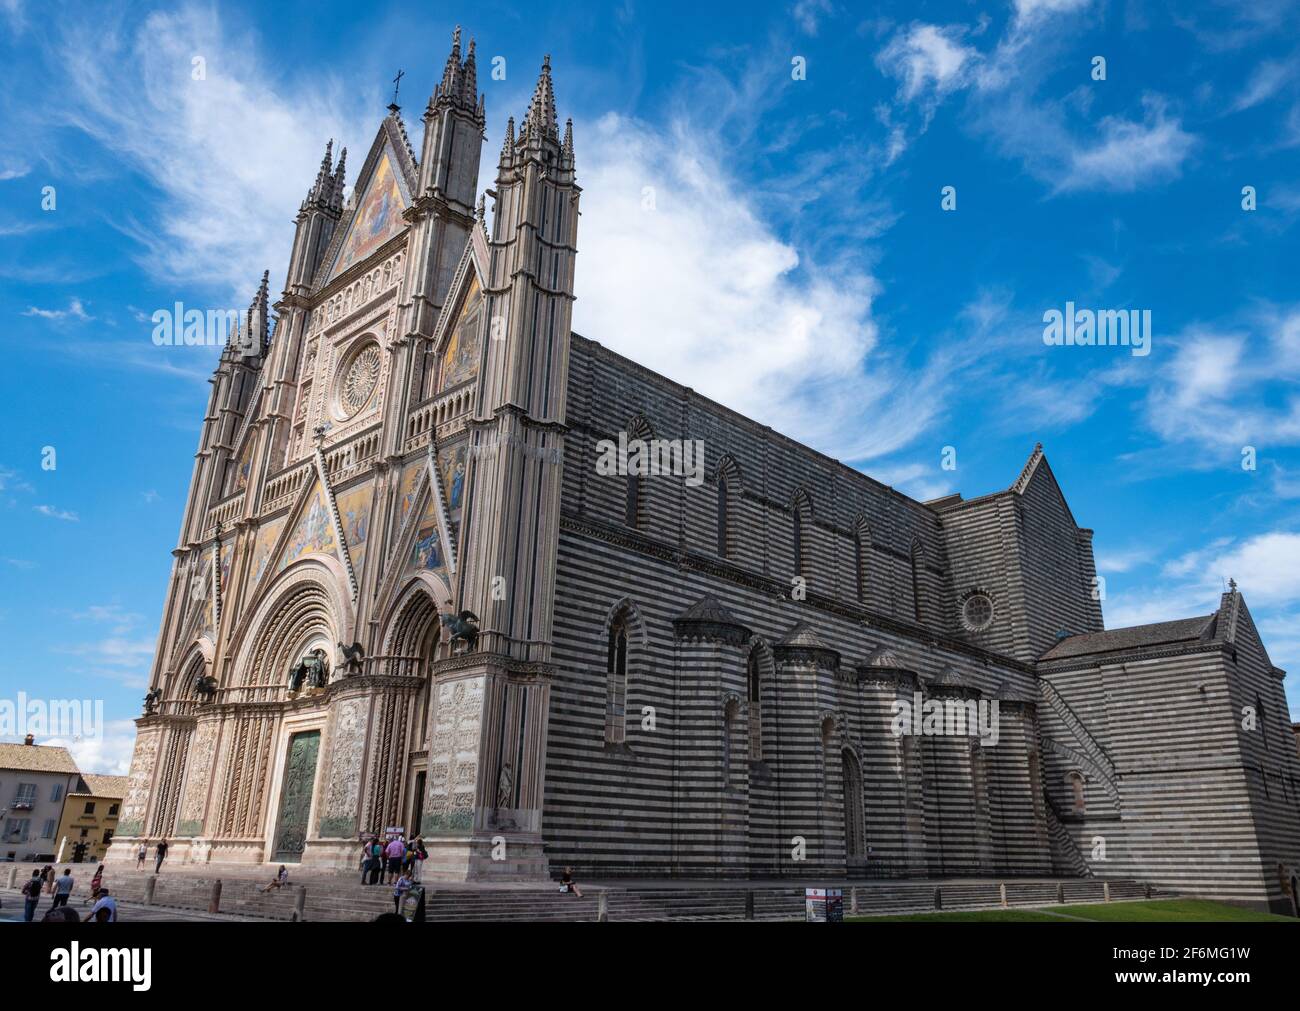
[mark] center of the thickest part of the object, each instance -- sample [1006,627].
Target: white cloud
[679,270]
[1030,10]
[1267,80]
[1129,153]
[927,60]
[1226,387]
[57,514]
[107,753]
[1266,568]
[233,154]
[932,62]
[75,310]
[808,14]
[1123,560]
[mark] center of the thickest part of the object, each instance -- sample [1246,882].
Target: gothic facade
[656,675]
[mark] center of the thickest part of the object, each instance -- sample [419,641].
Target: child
[399,891]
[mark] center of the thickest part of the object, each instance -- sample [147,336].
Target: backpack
[33,888]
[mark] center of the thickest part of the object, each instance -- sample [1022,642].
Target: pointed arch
[411,618]
[197,661]
[308,602]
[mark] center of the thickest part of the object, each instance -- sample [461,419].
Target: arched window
[802,528]
[854,830]
[755,708]
[1076,791]
[918,561]
[722,515]
[730,718]
[861,544]
[638,464]
[616,685]
[632,507]
[828,744]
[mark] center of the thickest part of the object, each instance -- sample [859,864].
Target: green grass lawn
[1155,911]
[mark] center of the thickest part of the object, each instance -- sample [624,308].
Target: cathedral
[410,593]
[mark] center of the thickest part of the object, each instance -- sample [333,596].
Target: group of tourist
[103,910]
[383,863]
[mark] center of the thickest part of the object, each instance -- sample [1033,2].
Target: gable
[354,511]
[378,213]
[460,355]
[314,532]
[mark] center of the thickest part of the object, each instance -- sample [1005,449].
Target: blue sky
[776,243]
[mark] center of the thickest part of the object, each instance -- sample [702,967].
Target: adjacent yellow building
[90,818]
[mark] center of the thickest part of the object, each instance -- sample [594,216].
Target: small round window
[977,612]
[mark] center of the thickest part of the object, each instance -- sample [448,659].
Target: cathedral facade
[409,594]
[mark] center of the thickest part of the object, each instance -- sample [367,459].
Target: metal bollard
[853,901]
[749,905]
[13,876]
[938,898]
[1105,891]
[214,899]
[602,908]
[1060,893]
[1002,894]
[300,904]
[150,884]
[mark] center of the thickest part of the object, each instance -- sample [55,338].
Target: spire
[256,333]
[541,118]
[508,147]
[321,189]
[452,72]
[469,83]
[567,147]
[340,174]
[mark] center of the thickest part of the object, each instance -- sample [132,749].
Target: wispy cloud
[232,153]
[58,514]
[75,310]
[1117,153]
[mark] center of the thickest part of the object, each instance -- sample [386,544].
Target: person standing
[47,878]
[367,861]
[63,888]
[96,883]
[31,896]
[141,855]
[396,851]
[160,854]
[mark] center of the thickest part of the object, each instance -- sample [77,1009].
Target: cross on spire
[397,84]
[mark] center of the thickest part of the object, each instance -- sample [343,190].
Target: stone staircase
[344,899]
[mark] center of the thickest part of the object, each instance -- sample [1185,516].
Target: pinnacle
[541,118]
